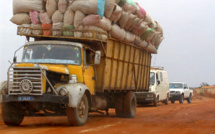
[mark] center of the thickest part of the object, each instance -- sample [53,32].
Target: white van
[158,90]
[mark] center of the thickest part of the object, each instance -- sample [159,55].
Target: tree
[204,84]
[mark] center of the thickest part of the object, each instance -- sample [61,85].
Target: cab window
[89,56]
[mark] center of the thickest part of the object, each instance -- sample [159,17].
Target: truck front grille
[25,81]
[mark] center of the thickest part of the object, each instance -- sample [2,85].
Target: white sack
[129,38]
[51,7]
[44,18]
[36,29]
[100,33]
[80,33]
[62,5]
[57,29]
[117,32]
[24,6]
[57,17]
[109,7]
[79,16]
[116,14]
[21,18]
[123,19]
[25,30]
[85,6]
[69,17]
[148,19]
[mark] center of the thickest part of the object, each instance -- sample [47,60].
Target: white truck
[180,91]
[158,90]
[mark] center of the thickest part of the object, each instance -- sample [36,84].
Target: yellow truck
[70,76]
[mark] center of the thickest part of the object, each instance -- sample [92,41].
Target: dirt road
[195,118]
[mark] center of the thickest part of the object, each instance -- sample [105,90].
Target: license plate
[25,98]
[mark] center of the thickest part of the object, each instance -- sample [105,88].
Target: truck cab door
[88,70]
[158,83]
[186,91]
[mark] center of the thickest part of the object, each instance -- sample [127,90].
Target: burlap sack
[21,18]
[24,6]
[116,14]
[62,5]
[25,29]
[79,16]
[159,28]
[44,18]
[151,48]
[117,32]
[79,32]
[153,25]
[148,19]
[148,34]
[104,24]
[109,7]
[155,38]
[57,29]
[57,17]
[140,43]
[140,30]
[34,15]
[85,6]
[141,12]
[129,8]
[130,21]
[51,7]
[135,23]
[91,20]
[69,17]
[129,38]
[123,19]
[159,40]
[100,34]
[36,29]
[135,28]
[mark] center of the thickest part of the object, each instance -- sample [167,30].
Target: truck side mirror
[97,57]
[14,59]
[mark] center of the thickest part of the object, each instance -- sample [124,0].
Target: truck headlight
[73,79]
[63,91]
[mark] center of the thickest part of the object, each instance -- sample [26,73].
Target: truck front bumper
[30,98]
[144,97]
[175,96]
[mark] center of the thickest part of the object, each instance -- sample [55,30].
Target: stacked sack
[123,20]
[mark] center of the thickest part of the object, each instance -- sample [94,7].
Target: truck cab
[180,91]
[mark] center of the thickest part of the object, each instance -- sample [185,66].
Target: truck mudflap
[145,97]
[30,98]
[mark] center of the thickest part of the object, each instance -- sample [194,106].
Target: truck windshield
[57,54]
[176,85]
[152,78]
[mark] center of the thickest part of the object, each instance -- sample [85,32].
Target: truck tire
[119,105]
[155,103]
[12,113]
[166,101]
[172,101]
[181,99]
[78,116]
[130,105]
[189,99]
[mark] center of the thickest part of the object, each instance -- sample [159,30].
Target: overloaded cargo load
[124,20]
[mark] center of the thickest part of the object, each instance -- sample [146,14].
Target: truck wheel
[78,116]
[189,99]
[12,113]
[130,105]
[181,99]
[172,101]
[119,106]
[155,103]
[166,101]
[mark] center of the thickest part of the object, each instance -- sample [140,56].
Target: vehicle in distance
[180,91]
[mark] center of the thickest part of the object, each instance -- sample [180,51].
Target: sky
[186,53]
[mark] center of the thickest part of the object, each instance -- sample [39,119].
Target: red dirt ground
[195,118]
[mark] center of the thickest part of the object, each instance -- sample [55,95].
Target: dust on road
[195,118]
